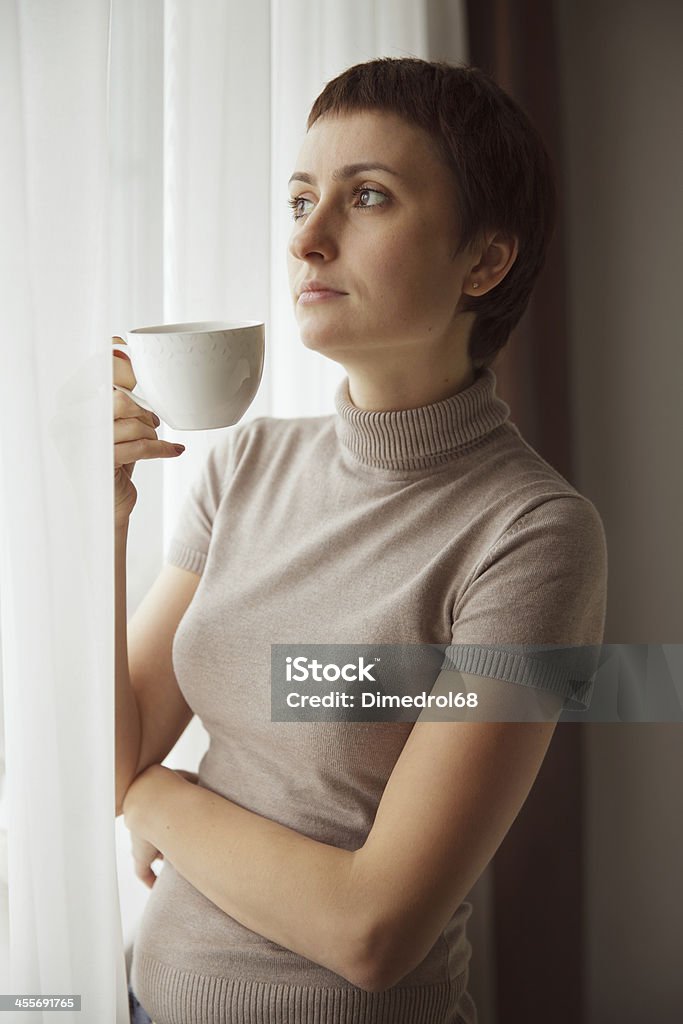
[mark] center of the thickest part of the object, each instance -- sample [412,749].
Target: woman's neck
[395,388]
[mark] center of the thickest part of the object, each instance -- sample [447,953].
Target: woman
[318,872]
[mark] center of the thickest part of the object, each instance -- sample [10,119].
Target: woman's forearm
[291,889]
[127,717]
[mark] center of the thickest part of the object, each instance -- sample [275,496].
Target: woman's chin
[326,343]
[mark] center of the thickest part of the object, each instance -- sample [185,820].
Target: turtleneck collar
[419,438]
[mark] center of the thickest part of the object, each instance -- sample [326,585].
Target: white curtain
[56,488]
[145,153]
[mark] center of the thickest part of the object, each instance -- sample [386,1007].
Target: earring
[475,284]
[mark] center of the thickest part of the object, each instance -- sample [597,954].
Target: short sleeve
[189,544]
[533,611]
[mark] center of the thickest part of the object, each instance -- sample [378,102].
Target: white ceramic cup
[196,376]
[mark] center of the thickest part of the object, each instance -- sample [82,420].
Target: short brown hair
[503,173]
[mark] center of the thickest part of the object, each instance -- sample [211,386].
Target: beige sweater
[436,525]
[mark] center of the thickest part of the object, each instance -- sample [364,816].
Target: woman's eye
[366,199]
[298,207]
[369,197]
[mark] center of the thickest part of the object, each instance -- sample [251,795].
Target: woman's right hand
[135,437]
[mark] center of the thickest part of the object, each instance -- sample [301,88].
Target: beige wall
[623,96]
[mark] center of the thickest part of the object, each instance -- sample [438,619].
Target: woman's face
[380,239]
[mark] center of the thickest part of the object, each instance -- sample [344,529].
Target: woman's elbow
[384,962]
[370,978]
[379,976]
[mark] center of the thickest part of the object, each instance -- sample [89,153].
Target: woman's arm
[291,889]
[370,915]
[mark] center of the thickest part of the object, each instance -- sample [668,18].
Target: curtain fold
[216,181]
[56,507]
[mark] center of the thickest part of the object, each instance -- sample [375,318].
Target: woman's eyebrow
[345,172]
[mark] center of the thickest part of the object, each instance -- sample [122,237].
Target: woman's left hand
[144,854]
[143,794]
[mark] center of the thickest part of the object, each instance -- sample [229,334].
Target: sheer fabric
[56,537]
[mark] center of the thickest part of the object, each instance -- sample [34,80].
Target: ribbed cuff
[565,670]
[185,558]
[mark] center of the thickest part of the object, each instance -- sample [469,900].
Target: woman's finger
[144,854]
[133,429]
[134,440]
[125,408]
[126,452]
[123,370]
[145,874]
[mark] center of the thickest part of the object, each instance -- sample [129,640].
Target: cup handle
[135,395]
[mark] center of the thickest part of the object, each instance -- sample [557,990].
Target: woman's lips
[319,295]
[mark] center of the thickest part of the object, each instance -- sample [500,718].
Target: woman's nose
[315,235]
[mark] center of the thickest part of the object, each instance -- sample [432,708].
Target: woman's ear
[496,254]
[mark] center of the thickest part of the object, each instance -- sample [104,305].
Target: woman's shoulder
[515,466]
[518,486]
